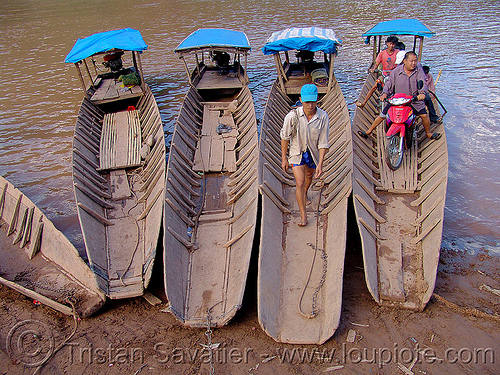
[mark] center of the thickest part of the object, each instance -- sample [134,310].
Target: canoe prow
[39,261]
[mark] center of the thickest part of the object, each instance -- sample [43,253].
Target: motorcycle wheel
[394,151]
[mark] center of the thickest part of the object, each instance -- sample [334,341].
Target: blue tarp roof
[124,39]
[203,38]
[302,38]
[400,27]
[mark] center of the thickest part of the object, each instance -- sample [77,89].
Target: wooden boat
[118,164]
[211,194]
[39,261]
[399,213]
[301,269]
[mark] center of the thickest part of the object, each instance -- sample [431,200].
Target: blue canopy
[124,39]
[206,38]
[400,27]
[302,38]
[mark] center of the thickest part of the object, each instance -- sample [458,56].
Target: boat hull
[301,268]
[120,203]
[210,209]
[399,213]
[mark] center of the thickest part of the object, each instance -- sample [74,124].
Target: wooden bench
[110,90]
[120,141]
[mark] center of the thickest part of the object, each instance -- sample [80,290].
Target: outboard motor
[113,61]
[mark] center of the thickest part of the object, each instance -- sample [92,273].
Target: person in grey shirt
[304,143]
[403,79]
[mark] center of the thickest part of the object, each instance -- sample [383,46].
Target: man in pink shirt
[387,57]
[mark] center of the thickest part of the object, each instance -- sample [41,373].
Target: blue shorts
[306,160]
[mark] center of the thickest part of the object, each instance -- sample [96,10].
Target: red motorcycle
[401,128]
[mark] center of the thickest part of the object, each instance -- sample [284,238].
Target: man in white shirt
[304,143]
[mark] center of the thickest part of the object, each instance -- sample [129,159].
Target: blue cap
[309,93]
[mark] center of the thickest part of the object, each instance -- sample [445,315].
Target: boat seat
[110,90]
[213,80]
[120,141]
[215,151]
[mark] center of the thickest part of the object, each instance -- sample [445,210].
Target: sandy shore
[133,337]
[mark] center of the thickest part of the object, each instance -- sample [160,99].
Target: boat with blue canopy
[411,27]
[211,193]
[305,41]
[301,268]
[118,161]
[399,212]
[124,39]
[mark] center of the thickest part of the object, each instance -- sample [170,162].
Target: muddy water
[40,94]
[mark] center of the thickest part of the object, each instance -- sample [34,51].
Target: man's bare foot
[308,202]
[302,223]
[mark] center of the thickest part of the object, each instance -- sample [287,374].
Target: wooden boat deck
[210,213]
[399,214]
[298,78]
[215,151]
[39,262]
[110,90]
[301,268]
[404,179]
[120,210]
[213,80]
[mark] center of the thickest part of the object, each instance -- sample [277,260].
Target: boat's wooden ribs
[265,190]
[242,172]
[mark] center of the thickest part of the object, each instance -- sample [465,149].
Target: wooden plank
[118,184]
[152,299]
[229,160]
[37,296]
[113,91]
[405,177]
[202,153]
[102,90]
[390,265]
[120,145]
[216,154]
[120,140]
[210,121]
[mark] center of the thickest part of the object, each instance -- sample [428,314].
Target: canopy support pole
[81,78]
[277,61]
[287,57]
[420,47]
[187,70]
[197,65]
[246,75]
[88,72]
[330,74]
[237,59]
[141,73]
[374,57]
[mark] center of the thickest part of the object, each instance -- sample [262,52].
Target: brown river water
[40,94]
